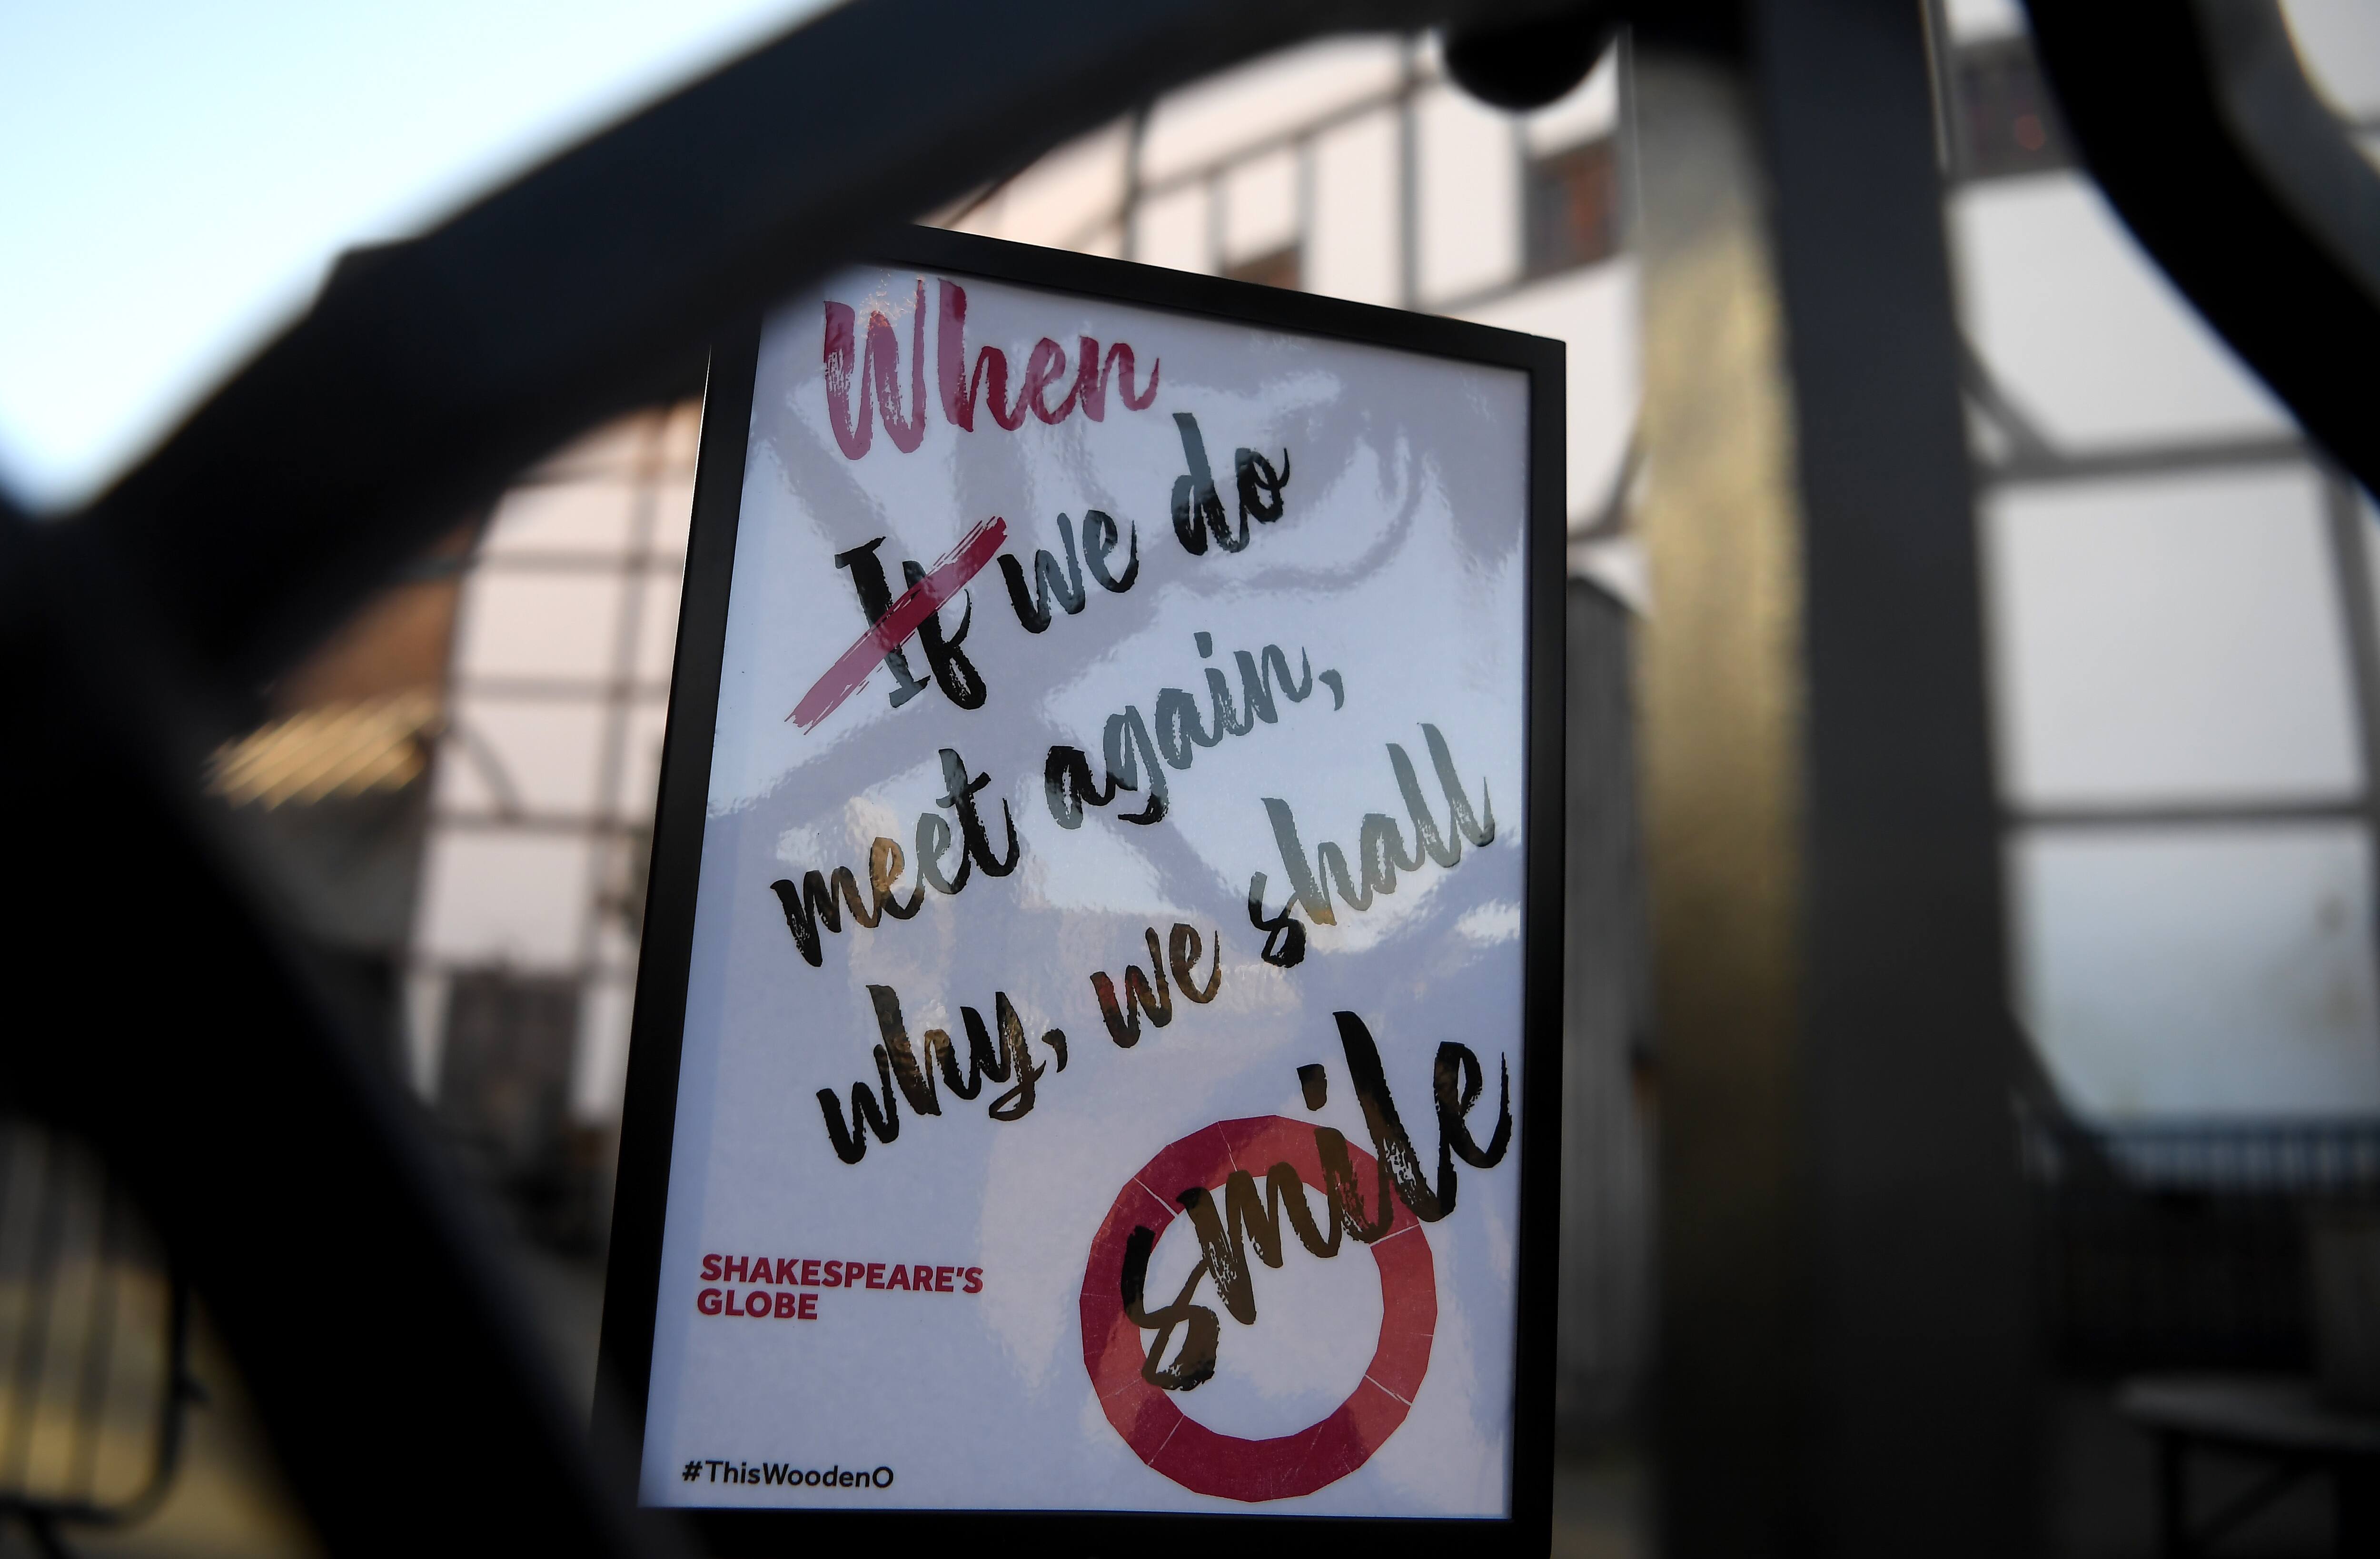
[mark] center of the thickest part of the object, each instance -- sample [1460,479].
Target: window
[2006,122]
[503,1082]
[1279,268]
[1573,207]
[2186,669]
[505,1098]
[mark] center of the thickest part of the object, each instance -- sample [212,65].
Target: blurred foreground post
[1846,1355]
[1721,701]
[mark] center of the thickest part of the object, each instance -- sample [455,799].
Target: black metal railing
[2183,1245]
[93,1344]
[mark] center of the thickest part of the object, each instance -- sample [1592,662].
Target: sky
[176,179]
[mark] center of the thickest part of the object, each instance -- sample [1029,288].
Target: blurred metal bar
[1916,1356]
[2198,122]
[1845,1357]
[210,1060]
[1607,1201]
[1718,699]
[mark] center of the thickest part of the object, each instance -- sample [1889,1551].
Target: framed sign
[1095,1066]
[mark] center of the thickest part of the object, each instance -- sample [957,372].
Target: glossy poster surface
[1100,1072]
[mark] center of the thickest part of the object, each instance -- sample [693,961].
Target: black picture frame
[649,1115]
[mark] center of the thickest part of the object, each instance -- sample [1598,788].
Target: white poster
[1101,1068]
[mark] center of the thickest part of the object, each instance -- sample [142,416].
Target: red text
[863,384]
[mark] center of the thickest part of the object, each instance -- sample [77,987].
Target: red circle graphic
[1178,1445]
